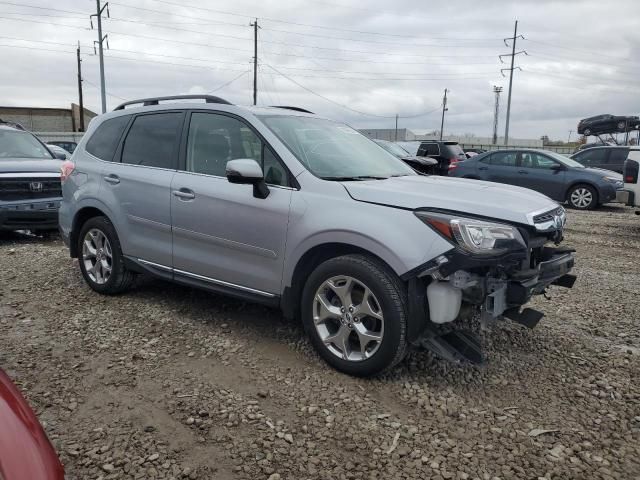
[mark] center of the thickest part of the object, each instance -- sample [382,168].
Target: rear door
[616,159]
[593,157]
[137,187]
[500,167]
[222,234]
[536,171]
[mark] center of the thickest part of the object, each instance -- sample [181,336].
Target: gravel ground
[169,382]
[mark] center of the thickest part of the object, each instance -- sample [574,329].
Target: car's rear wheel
[101,260]
[622,126]
[587,132]
[354,311]
[583,197]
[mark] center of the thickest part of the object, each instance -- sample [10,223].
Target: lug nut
[342,309]
[351,309]
[356,319]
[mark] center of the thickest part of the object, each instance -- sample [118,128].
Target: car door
[222,234]
[542,174]
[616,159]
[498,167]
[137,186]
[593,157]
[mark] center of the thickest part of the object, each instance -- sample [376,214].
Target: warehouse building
[38,119]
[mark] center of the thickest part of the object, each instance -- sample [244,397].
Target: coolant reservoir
[444,302]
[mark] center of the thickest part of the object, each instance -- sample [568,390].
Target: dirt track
[169,382]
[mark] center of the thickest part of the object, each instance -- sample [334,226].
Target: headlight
[475,236]
[612,180]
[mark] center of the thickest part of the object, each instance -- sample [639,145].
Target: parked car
[550,173]
[68,146]
[424,165]
[609,157]
[59,152]
[289,209]
[445,152]
[410,146]
[25,450]
[30,191]
[585,146]
[630,194]
[607,123]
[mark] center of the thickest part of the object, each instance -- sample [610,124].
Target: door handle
[483,168]
[113,179]
[184,194]
[523,172]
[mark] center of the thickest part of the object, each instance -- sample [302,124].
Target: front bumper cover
[40,215]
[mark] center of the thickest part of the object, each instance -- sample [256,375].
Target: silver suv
[279,206]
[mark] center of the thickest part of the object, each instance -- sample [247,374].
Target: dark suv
[30,191]
[445,152]
[607,157]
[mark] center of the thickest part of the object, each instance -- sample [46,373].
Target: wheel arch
[81,216]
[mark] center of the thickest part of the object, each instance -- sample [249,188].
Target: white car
[630,194]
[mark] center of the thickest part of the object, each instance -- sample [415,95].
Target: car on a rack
[446,152]
[283,207]
[25,450]
[607,123]
[426,165]
[560,178]
[605,157]
[67,145]
[30,190]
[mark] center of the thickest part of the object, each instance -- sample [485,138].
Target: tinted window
[454,150]
[592,156]
[104,141]
[152,140]
[215,139]
[618,156]
[535,160]
[504,159]
[430,149]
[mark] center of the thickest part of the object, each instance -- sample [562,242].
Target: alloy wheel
[348,318]
[581,198]
[97,256]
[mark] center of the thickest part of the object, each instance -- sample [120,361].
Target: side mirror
[247,171]
[60,155]
[557,167]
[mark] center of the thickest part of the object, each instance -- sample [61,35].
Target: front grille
[548,216]
[15,189]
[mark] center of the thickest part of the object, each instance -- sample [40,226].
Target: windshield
[16,144]
[393,148]
[569,162]
[334,151]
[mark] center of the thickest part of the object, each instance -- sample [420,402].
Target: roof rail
[297,109]
[155,100]
[12,124]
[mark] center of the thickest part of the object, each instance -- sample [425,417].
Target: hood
[602,172]
[494,200]
[24,165]
[426,161]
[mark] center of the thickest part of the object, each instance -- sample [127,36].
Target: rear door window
[104,140]
[429,149]
[618,156]
[153,140]
[503,159]
[592,156]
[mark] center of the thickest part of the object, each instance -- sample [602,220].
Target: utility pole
[255,60]
[569,139]
[511,69]
[396,128]
[100,41]
[444,109]
[80,101]
[496,109]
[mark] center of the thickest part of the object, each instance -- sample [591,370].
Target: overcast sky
[369,60]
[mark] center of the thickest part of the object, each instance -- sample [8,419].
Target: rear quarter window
[104,140]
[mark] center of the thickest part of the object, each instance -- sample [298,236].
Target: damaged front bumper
[487,289]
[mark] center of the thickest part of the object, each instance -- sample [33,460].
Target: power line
[227,83]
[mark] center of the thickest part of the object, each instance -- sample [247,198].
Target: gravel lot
[169,382]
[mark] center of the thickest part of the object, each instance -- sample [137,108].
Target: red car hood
[25,450]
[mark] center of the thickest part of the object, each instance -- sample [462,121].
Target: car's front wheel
[354,311]
[583,197]
[101,260]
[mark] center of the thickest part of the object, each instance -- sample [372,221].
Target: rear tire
[100,257]
[587,132]
[582,197]
[622,126]
[354,309]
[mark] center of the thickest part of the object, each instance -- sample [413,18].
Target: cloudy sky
[360,62]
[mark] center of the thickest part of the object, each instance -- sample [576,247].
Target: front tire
[100,257]
[354,309]
[582,197]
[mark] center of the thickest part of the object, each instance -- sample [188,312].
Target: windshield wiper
[355,178]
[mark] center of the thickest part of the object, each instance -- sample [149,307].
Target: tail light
[630,172]
[453,163]
[66,169]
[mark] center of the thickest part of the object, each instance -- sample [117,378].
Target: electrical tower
[511,69]
[100,41]
[496,109]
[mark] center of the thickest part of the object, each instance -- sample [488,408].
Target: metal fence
[565,150]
